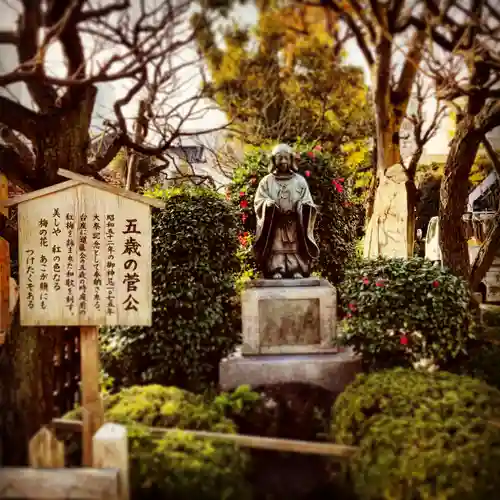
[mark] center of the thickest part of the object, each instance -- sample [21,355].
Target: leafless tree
[468,33]
[144,50]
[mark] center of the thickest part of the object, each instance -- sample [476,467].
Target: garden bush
[399,312]
[196,316]
[420,436]
[338,218]
[177,465]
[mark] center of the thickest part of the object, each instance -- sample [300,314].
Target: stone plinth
[288,317]
[330,371]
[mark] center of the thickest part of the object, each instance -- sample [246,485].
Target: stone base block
[330,371]
[288,317]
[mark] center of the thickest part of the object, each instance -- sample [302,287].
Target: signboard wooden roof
[77,179]
[84,255]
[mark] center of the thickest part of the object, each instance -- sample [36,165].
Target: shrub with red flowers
[405,312]
[338,219]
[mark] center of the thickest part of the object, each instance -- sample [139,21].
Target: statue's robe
[286,214]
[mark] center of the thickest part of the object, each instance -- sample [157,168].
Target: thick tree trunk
[485,256]
[26,389]
[26,359]
[453,197]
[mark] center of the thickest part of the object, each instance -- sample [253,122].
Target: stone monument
[289,317]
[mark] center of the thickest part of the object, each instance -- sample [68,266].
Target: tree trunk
[27,357]
[370,199]
[26,389]
[453,197]
[411,201]
[485,256]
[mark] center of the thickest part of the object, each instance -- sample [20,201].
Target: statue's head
[282,159]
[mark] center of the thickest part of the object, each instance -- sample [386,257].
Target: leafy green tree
[285,79]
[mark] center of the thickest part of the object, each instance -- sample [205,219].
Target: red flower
[352,307]
[366,281]
[242,193]
[403,340]
[435,283]
[243,203]
[244,217]
[243,240]
[379,283]
[253,180]
[307,173]
[317,147]
[348,315]
[311,154]
[338,186]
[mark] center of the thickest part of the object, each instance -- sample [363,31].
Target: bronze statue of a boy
[284,244]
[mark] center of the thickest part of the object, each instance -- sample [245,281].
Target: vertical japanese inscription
[131,277]
[70,270]
[96,251]
[56,249]
[43,284]
[30,274]
[110,265]
[82,265]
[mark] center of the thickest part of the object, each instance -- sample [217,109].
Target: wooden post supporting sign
[85,260]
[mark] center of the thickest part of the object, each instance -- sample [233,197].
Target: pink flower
[243,203]
[307,173]
[311,154]
[348,315]
[366,281]
[379,283]
[317,147]
[242,193]
[352,307]
[435,283]
[253,180]
[403,340]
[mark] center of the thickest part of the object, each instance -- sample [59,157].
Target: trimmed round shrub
[420,436]
[177,465]
[196,315]
[338,218]
[398,312]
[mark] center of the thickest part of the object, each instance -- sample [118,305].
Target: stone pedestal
[330,371]
[288,317]
[289,329]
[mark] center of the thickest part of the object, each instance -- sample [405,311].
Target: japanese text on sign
[88,262]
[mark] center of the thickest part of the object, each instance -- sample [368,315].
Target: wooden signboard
[85,260]
[84,257]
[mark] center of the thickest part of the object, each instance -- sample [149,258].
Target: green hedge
[177,465]
[399,311]
[421,436]
[196,315]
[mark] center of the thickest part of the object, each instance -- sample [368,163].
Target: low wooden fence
[109,476]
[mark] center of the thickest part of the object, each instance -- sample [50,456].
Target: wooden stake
[92,409]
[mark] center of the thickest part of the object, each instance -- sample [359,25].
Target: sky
[109,92]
